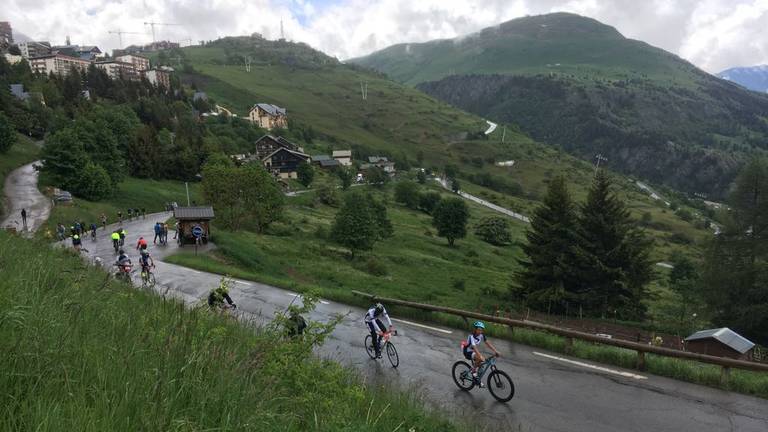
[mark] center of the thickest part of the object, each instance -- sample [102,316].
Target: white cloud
[714,34]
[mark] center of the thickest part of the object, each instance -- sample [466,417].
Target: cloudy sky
[713,34]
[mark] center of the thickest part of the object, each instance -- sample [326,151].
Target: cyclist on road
[93,231]
[217,297]
[141,244]
[146,261]
[373,321]
[120,217]
[104,221]
[76,242]
[123,233]
[471,348]
[115,239]
[122,259]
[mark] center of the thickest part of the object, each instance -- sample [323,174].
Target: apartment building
[57,64]
[140,63]
[118,69]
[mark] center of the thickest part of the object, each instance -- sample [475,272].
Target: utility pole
[599,158]
[282,33]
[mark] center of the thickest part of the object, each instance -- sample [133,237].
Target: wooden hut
[721,342]
[190,217]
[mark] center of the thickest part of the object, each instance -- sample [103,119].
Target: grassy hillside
[395,120]
[82,352]
[576,83]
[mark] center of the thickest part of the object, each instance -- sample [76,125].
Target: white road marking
[590,366]
[241,282]
[195,271]
[422,326]
[299,295]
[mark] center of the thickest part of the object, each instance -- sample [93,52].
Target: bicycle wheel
[462,375]
[369,347]
[152,280]
[394,359]
[500,385]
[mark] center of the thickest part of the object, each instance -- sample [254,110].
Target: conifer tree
[548,278]
[614,259]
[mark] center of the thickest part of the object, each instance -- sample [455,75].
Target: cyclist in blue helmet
[471,348]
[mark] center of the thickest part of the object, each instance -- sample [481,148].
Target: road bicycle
[499,383]
[387,346]
[147,278]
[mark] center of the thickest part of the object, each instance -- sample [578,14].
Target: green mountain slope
[560,43]
[324,97]
[576,83]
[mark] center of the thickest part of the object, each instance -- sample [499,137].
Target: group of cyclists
[470,347]
[219,298]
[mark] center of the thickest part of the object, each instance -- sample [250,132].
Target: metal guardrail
[570,335]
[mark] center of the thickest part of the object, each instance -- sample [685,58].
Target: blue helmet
[478,324]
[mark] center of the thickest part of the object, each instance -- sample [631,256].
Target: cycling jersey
[123,260]
[141,244]
[471,342]
[144,260]
[371,316]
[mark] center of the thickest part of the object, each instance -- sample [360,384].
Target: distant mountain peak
[752,77]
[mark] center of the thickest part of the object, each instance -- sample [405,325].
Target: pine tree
[613,254]
[735,271]
[548,278]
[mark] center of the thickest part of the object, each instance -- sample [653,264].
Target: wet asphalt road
[21,192]
[551,393]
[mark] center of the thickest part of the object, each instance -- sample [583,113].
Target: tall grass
[82,352]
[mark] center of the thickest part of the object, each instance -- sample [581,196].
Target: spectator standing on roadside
[130,214]
[24,218]
[60,231]
[158,233]
[143,213]
[120,217]
[104,221]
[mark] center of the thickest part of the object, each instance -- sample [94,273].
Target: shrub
[375,267]
[428,201]
[328,195]
[458,284]
[494,230]
[407,193]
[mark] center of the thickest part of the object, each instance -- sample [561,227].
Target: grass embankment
[414,263]
[133,192]
[23,152]
[82,352]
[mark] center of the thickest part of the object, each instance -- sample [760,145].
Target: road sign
[197,231]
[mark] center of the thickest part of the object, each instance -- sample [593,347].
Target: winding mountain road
[21,192]
[554,393]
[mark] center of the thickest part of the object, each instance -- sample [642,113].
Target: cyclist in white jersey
[471,348]
[373,321]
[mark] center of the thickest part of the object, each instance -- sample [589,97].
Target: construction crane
[120,34]
[153,24]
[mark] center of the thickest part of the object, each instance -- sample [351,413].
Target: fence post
[568,345]
[641,360]
[725,375]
